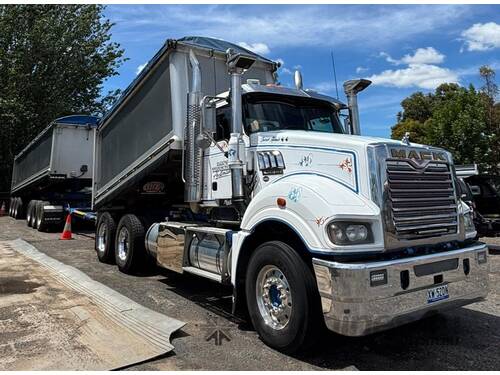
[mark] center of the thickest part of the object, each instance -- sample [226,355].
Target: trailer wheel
[105,238]
[130,252]
[34,214]
[29,213]
[282,297]
[11,206]
[41,223]
[18,210]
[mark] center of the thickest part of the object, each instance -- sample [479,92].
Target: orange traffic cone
[66,233]
[2,210]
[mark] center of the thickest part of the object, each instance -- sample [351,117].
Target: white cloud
[305,26]
[428,55]
[482,36]
[140,67]
[420,72]
[283,69]
[361,69]
[258,48]
[423,76]
[324,87]
[389,59]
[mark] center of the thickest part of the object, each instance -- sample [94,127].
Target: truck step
[203,273]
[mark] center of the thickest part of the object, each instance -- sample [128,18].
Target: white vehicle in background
[264,189]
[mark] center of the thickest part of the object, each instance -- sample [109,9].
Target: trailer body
[54,171]
[149,119]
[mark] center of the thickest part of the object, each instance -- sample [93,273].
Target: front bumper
[354,308]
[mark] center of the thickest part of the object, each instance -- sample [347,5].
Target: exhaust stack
[193,153]
[352,88]
[237,64]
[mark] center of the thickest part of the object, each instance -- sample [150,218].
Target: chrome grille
[422,199]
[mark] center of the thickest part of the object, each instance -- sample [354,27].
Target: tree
[53,62]
[418,107]
[417,130]
[458,124]
[461,120]
[490,92]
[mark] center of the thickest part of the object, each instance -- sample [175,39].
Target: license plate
[437,293]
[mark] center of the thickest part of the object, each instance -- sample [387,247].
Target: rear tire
[29,213]
[130,253]
[32,222]
[36,208]
[42,225]
[18,211]
[282,298]
[11,207]
[105,238]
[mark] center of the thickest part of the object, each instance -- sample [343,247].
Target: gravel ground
[467,338]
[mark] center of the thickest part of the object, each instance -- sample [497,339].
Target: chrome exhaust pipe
[193,153]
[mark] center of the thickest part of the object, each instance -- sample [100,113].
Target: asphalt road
[467,338]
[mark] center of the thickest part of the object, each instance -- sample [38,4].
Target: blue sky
[401,48]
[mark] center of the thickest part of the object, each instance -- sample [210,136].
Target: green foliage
[459,119]
[458,124]
[416,129]
[53,62]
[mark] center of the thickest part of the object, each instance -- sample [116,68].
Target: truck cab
[311,223]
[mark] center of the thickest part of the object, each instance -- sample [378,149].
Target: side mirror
[208,119]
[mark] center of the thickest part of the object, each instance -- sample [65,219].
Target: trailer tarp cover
[219,45]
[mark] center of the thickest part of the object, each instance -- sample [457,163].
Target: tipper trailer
[53,173]
[209,167]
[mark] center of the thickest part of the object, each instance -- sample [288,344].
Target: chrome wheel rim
[274,297]
[101,238]
[123,244]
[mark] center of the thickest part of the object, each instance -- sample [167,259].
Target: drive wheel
[29,213]
[34,207]
[36,212]
[130,253]
[41,224]
[18,210]
[11,206]
[105,238]
[282,297]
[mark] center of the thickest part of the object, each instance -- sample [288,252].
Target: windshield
[262,113]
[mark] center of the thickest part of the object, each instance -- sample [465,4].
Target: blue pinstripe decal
[356,190]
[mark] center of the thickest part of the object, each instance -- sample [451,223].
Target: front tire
[282,297]
[130,253]
[105,238]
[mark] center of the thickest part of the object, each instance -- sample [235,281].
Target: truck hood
[310,138]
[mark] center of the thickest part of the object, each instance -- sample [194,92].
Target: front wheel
[282,297]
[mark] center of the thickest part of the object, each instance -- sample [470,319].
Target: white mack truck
[208,167]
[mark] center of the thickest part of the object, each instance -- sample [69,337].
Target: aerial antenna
[335,75]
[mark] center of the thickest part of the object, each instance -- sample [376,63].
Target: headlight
[346,233]
[469,223]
